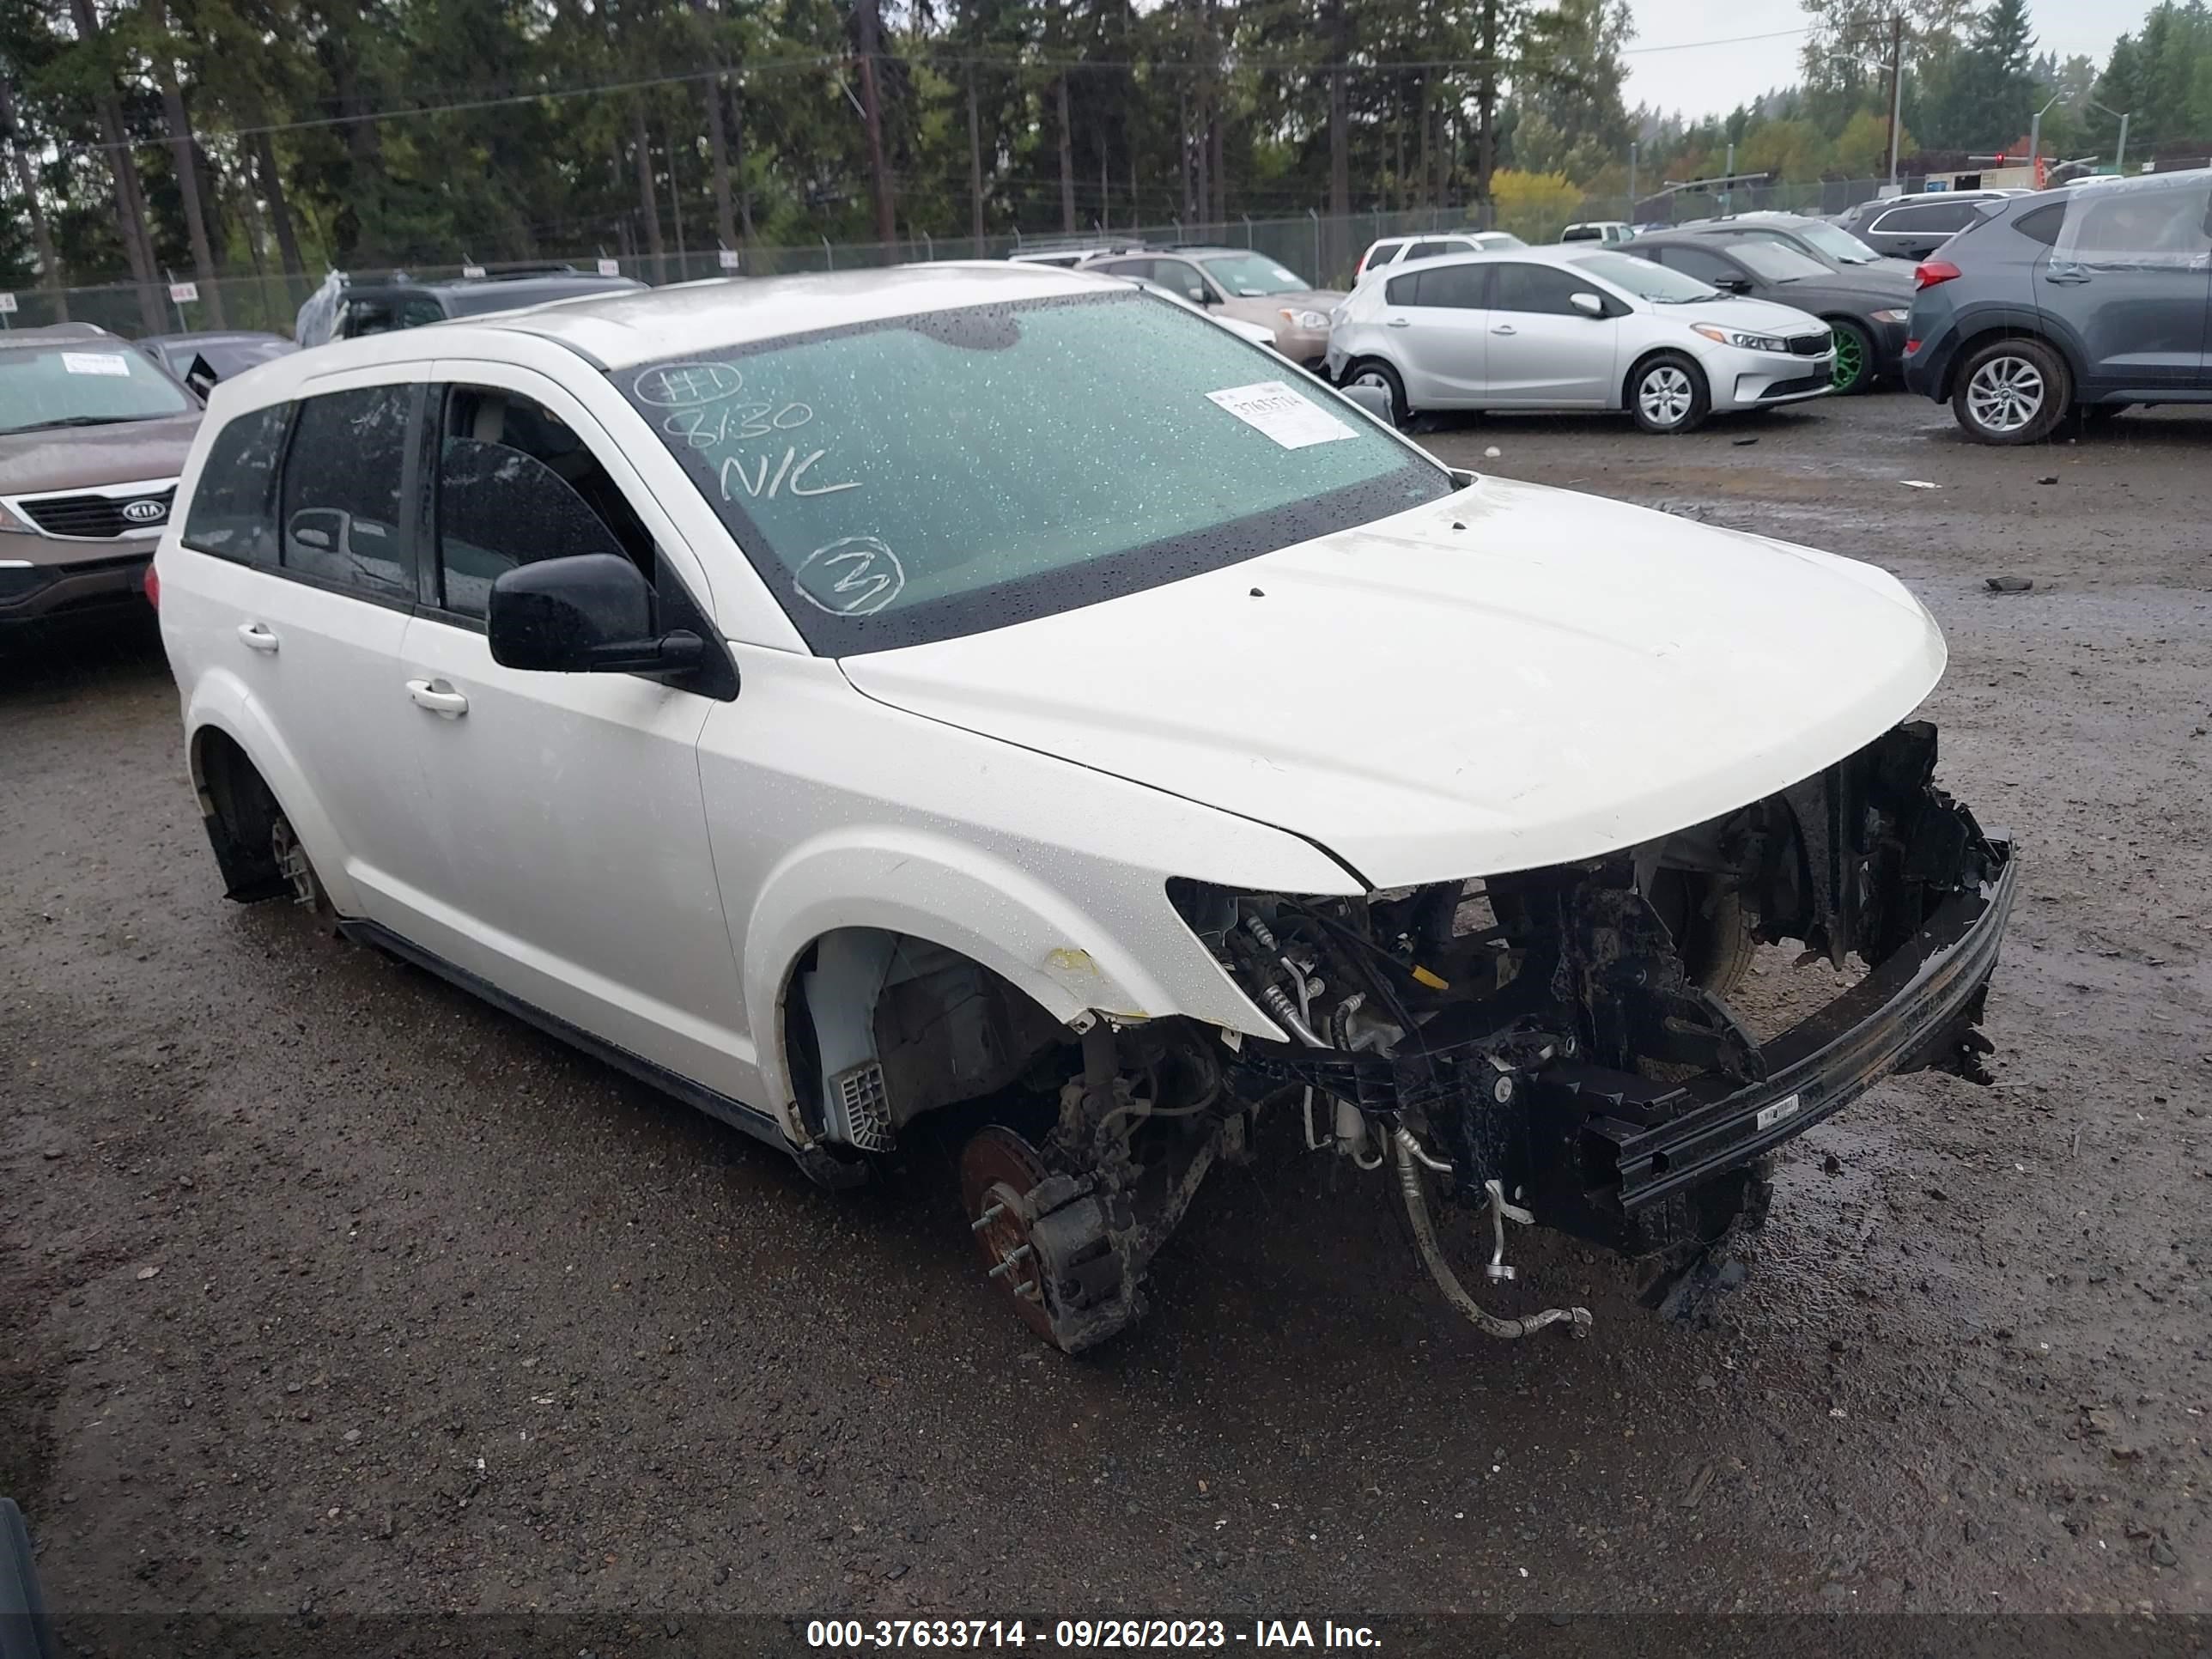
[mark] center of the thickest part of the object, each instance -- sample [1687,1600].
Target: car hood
[1268,307]
[1560,678]
[1867,287]
[1742,312]
[87,457]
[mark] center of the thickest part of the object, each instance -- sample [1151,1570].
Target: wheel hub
[999,1170]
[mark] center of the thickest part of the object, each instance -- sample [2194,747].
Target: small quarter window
[233,511]
[515,484]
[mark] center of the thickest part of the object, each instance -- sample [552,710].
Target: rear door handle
[1399,322]
[257,638]
[438,698]
[1505,328]
[2065,275]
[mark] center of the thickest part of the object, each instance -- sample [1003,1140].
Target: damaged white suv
[836,698]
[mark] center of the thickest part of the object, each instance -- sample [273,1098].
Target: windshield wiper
[83,420]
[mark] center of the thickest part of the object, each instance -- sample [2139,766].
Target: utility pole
[1896,88]
[2035,145]
[872,118]
[975,164]
[2120,151]
[1633,148]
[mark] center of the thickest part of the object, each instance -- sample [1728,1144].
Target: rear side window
[1458,287]
[1432,250]
[233,511]
[1935,216]
[2042,225]
[342,520]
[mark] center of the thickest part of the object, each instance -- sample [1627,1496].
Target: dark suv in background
[380,307]
[2090,299]
[1914,227]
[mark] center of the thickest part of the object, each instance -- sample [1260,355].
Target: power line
[1228,63]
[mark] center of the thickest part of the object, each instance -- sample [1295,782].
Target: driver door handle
[257,638]
[1399,322]
[1505,328]
[438,697]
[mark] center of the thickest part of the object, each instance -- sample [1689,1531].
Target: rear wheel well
[1981,337]
[880,1027]
[241,814]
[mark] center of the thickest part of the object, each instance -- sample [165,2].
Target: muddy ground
[325,1289]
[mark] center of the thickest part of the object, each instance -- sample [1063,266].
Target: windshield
[1253,275]
[1774,262]
[927,476]
[1645,280]
[1839,245]
[84,383]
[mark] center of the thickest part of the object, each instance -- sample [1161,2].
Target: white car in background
[1433,245]
[1579,326]
[838,698]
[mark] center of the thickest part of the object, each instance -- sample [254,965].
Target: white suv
[834,698]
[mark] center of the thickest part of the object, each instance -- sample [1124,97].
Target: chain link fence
[1323,249]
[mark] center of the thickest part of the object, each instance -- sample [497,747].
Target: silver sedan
[1572,327]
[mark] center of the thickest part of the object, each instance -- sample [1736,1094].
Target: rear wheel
[1369,372]
[1668,394]
[2012,392]
[1854,370]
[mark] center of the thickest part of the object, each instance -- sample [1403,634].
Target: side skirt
[736,1114]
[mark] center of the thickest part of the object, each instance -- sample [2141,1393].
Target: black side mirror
[590,613]
[200,378]
[1732,284]
[1201,294]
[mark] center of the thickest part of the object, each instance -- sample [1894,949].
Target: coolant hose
[1410,1159]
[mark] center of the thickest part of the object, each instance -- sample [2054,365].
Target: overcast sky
[1714,79]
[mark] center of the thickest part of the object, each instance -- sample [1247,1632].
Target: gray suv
[2088,299]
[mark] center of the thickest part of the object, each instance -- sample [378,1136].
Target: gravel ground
[325,1289]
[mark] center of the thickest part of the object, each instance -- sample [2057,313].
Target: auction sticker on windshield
[94,363]
[1271,407]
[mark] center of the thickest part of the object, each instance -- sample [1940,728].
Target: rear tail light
[152,586]
[1932,271]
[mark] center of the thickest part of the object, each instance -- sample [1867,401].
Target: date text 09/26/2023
[1085,1635]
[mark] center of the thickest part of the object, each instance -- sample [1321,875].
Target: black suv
[1914,227]
[379,307]
[2090,299]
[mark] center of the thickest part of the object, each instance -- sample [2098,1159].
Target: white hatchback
[837,699]
[1578,326]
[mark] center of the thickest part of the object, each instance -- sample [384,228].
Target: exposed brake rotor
[999,1170]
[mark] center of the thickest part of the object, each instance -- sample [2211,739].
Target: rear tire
[2012,393]
[1854,370]
[1668,394]
[1371,371]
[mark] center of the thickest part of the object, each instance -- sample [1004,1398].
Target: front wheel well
[1645,361]
[880,1027]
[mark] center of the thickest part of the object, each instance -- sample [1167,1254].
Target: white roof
[647,324]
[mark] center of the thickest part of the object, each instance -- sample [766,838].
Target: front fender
[1062,954]
[219,702]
